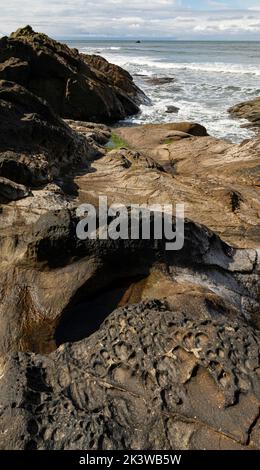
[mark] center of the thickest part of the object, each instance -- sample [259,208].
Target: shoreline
[119,343]
[203,90]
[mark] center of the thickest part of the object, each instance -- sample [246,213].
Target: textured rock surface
[36,145]
[150,378]
[117,77]
[10,191]
[123,344]
[49,266]
[76,86]
[46,270]
[249,110]
[217,180]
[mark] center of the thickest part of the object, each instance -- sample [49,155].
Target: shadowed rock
[10,191]
[76,86]
[35,144]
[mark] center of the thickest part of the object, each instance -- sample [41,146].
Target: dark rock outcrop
[10,191]
[117,77]
[249,110]
[35,144]
[172,109]
[76,86]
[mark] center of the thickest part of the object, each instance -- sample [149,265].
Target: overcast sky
[180,19]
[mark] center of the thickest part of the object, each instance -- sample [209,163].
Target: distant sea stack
[77,86]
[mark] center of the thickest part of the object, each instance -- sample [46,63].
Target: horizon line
[136,39]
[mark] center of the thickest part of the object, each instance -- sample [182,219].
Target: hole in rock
[84,317]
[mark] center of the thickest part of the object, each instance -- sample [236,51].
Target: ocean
[209,77]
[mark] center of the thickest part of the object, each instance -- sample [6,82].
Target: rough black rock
[35,144]
[77,86]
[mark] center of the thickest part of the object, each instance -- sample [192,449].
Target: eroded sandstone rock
[123,344]
[46,270]
[152,377]
[218,181]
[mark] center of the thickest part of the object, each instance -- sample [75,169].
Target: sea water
[209,77]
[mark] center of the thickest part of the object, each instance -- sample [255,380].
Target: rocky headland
[76,86]
[120,344]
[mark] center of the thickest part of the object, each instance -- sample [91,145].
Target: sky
[139,19]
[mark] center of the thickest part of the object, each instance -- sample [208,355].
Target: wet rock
[249,110]
[76,86]
[118,78]
[172,109]
[157,81]
[149,136]
[123,344]
[46,270]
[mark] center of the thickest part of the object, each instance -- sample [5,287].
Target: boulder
[249,110]
[10,191]
[76,86]
[172,109]
[148,136]
[102,340]
[157,81]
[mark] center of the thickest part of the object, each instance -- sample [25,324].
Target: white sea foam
[94,50]
[209,78]
[216,67]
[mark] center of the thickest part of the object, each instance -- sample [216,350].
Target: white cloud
[219,5]
[147,18]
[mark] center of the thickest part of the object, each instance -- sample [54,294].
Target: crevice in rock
[82,318]
[236,200]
